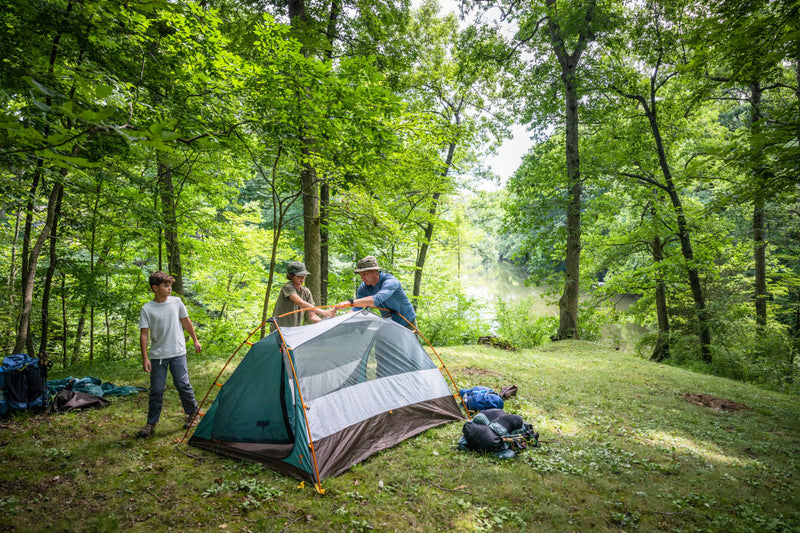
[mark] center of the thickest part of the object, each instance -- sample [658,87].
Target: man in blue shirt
[381,290]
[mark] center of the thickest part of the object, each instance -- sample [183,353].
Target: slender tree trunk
[683,232]
[759,240]
[12,279]
[64,328]
[31,257]
[92,263]
[279,211]
[91,333]
[48,282]
[276,233]
[309,186]
[661,349]
[107,321]
[324,189]
[311,227]
[422,251]
[76,348]
[26,251]
[324,206]
[166,191]
[23,338]
[568,303]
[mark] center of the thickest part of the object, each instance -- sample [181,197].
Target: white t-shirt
[166,331]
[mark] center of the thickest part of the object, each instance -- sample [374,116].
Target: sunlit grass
[621,449]
[702,450]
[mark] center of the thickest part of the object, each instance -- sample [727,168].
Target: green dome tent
[313,401]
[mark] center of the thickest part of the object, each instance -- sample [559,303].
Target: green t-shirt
[285,305]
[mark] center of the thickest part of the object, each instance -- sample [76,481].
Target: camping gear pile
[312,401]
[498,432]
[24,387]
[491,429]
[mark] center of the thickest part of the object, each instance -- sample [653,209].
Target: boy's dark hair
[159,278]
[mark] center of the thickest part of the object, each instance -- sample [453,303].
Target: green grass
[622,450]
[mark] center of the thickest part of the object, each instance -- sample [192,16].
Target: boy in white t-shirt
[163,320]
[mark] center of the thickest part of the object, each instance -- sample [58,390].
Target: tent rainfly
[313,401]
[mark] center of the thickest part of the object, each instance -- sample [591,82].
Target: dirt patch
[712,402]
[472,371]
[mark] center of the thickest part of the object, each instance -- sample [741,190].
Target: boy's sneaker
[192,419]
[146,431]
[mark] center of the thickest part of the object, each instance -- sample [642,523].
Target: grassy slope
[622,450]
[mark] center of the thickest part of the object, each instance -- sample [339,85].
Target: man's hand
[146,366]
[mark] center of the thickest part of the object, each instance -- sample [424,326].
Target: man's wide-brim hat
[296,268]
[368,263]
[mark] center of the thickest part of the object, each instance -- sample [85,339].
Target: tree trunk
[311,233]
[568,303]
[422,251]
[324,189]
[48,282]
[166,191]
[91,333]
[661,348]
[26,251]
[298,17]
[76,349]
[683,233]
[24,342]
[759,240]
[12,279]
[324,205]
[64,328]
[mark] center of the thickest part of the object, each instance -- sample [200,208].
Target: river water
[507,282]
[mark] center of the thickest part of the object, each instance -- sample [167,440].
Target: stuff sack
[481,398]
[67,400]
[498,432]
[3,404]
[24,383]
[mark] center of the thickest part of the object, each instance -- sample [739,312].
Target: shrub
[516,324]
[456,321]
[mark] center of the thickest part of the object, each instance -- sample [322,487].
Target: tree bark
[324,209]
[683,229]
[24,342]
[324,188]
[568,303]
[280,206]
[759,241]
[311,226]
[76,348]
[166,191]
[48,282]
[12,279]
[64,328]
[298,17]
[661,348]
[424,246]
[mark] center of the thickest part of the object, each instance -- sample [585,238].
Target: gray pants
[158,384]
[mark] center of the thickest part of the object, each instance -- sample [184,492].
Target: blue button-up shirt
[389,294]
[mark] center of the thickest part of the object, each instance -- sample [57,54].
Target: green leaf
[103,91]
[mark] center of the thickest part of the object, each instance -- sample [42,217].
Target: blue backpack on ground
[481,398]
